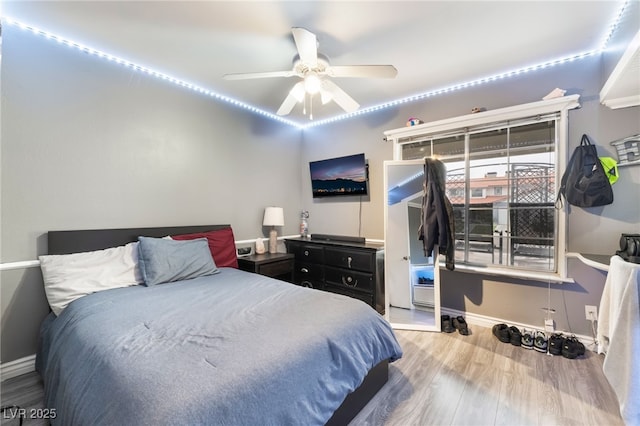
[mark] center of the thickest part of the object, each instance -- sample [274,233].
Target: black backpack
[585,183]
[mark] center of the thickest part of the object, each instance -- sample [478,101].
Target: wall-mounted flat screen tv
[339,176]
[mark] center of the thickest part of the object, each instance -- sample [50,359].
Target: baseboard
[18,367]
[489,322]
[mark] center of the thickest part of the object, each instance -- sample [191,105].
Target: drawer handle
[349,259]
[349,282]
[305,270]
[306,252]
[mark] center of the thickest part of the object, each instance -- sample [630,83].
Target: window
[477,192]
[508,170]
[501,181]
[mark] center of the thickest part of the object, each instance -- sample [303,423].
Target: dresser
[343,265]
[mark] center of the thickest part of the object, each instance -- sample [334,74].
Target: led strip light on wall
[420,96]
[149,71]
[603,44]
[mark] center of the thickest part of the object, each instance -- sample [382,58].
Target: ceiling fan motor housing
[301,68]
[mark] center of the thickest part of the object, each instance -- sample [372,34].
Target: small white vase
[259,246]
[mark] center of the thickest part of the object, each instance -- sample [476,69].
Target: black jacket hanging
[437,225]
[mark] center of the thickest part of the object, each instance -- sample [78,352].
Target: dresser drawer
[317,284]
[365,297]
[307,253]
[349,279]
[307,271]
[350,259]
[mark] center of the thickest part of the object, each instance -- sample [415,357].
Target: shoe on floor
[555,344]
[572,347]
[445,324]
[540,343]
[515,337]
[460,324]
[526,341]
[501,331]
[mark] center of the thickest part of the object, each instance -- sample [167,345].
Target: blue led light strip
[614,24]
[454,88]
[420,96]
[149,71]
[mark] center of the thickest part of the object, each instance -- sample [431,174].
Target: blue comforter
[233,348]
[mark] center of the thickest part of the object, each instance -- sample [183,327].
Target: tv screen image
[339,176]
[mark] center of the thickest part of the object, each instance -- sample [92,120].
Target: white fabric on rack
[619,335]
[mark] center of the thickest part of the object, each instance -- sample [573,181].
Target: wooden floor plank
[481,394]
[520,385]
[25,392]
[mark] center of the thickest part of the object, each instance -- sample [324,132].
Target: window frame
[474,123]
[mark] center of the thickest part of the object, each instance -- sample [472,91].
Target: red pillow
[221,244]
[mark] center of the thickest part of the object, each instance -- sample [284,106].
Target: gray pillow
[163,260]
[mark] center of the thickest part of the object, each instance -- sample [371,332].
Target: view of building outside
[501,183]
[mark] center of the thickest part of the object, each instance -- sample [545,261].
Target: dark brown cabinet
[275,265]
[350,267]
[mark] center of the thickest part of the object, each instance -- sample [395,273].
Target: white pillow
[68,277]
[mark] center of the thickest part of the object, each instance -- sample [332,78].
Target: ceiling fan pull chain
[311,107]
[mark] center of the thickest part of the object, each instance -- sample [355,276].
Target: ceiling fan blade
[345,101]
[250,75]
[296,94]
[307,45]
[370,71]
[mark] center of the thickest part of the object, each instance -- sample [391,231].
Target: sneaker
[555,344]
[501,331]
[572,347]
[515,337]
[445,324]
[526,340]
[540,342]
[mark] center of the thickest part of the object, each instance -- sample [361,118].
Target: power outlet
[591,312]
[549,325]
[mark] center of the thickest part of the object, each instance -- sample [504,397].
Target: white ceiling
[433,44]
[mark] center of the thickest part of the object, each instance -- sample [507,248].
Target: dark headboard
[65,242]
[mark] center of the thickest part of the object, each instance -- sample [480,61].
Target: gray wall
[594,230]
[89,144]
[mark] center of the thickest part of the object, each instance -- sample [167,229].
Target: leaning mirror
[412,293]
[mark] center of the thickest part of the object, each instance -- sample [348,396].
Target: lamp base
[273,241]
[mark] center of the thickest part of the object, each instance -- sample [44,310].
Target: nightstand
[275,265]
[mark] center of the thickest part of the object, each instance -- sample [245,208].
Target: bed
[228,347]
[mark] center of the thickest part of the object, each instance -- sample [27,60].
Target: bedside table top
[265,257]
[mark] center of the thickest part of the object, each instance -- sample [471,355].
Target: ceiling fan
[314,70]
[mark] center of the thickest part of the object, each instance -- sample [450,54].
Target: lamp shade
[273,216]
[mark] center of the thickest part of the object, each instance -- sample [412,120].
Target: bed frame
[65,242]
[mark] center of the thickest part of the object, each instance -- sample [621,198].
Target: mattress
[233,348]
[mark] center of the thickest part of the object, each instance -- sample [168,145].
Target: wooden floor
[26,392]
[450,379]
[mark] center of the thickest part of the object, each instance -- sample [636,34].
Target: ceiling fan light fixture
[312,83]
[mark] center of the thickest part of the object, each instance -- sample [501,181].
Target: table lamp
[273,216]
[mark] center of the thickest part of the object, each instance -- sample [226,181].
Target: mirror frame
[389,256]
